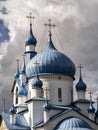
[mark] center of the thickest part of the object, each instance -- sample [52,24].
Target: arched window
[59,94]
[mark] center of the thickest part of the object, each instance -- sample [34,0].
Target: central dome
[51,61]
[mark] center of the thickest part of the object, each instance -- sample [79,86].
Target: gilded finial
[30,17]
[90,93]
[80,68]
[49,25]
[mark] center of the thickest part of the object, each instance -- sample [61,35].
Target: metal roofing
[31,40]
[81,85]
[20,124]
[73,123]
[23,91]
[12,110]
[91,108]
[51,61]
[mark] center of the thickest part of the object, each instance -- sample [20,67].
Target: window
[59,94]
[16,95]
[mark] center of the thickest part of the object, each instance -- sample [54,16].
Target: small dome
[81,85]
[91,108]
[73,123]
[23,69]
[46,106]
[31,40]
[23,91]
[12,110]
[37,83]
[51,61]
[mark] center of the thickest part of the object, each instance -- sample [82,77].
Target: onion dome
[12,110]
[91,108]
[73,123]
[23,91]
[46,106]
[37,83]
[31,40]
[51,61]
[81,85]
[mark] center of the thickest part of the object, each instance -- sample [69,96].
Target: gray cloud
[75,34]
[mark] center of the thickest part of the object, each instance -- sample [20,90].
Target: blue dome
[46,106]
[31,40]
[37,83]
[73,123]
[23,69]
[91,108]
[23,91]
[81,85]
[12,110]
[51,62]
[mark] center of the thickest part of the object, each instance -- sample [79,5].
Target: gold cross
[30,17]
[4,100]
[46,90]
[36,66]
[80,68]
[90,93]
[17,63]
[49,25]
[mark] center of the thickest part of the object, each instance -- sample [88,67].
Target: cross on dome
[50,25]
[4,100]
[30,17]
[17,63]
[80,68]
[36,64]
[90,93]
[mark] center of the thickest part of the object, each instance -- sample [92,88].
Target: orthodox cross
[30,17]
[90,93]
[49,25]
[80,68]
[46,90]
[17,63]
[36,66]
[4,100]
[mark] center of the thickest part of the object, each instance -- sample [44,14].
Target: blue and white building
[43,93]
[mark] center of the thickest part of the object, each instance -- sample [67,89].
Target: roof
[51,61]
[20,124]
[60,114]
[31,40]
[82,101]
[72,123]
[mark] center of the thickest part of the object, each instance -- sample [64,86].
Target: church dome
[51,61]
[73,123]
[37,83]
[91,108]
[31,40]
[81,85]
[23,91]
[12,110]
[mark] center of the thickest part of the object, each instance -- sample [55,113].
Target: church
[43,92]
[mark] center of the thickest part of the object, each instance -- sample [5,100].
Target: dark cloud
[76,34]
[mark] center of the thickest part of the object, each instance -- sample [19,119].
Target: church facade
[43,92]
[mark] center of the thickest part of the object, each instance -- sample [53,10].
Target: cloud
[75,34]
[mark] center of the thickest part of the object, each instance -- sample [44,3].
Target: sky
[75,34]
